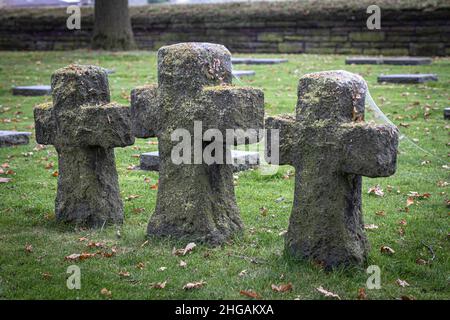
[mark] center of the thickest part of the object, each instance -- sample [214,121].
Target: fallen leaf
[49,165]
[242,273]
[5,165]
[402,283]
[79,256]
[362,294]
[407,298]
[194,285]
[140,265]
[29,248]
[409,201]
[46,275]
[402,222]
[83,239]
[387,250]
[124,274]
[282,287]
[376,190]
[5,180]
[162,269]
[154,187]
[106,292]
[370,226]
[182,264]
[189,247]
[159,285]
[327,293]
[421,261]
[138,210]
[380,213]
[55,174]
[250,294]
[132,197]
[93,244]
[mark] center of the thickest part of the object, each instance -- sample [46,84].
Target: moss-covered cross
[331,147]
[195,201]
[84,127]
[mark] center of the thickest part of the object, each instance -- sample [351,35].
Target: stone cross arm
[144,111]
[106,126]
[368,149]
[285,124]
[227,107]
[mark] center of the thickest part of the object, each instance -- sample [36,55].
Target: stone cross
[195,201]
[331,147]
[84,127]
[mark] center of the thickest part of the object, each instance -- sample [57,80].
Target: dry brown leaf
[159,285]
[242,273]
[182,264]
[132,197]
[376,190]
[362,294]
[250,294]
[327,293]
[79,256]
[409,201]
[189,247]
[282,287]
[29,248]
[55,174]
[106,292]
[140,265]
[370,226]
[194,285]
[421,261]
[124,274]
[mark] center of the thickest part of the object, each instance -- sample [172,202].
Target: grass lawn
[33,245]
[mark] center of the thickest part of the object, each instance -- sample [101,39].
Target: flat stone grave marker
[13,138]
[447,113]
[331,148]
[243,73]
[242,160]
[32,91]
[196,200]
[401,61]
[407,78]
[85,127]
[257,60]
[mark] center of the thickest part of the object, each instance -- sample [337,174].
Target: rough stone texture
[331,148]
[411,28]
[13,138]
[447,113]
[242,160]
[31,91]
[257,61]
[84,127]
[195,201]
[401,61]
[407,78]
[243,73]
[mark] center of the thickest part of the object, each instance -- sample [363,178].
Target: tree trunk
[112,26]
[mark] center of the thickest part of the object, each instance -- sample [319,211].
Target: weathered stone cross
[331,147]
[84,128]
[195,201]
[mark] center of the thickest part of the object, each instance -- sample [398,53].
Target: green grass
[27,202]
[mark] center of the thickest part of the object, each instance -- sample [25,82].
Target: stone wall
[407,27]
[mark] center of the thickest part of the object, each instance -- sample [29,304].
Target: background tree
[112,26]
